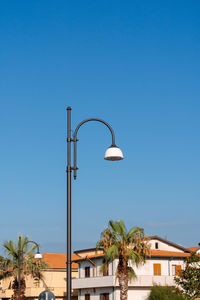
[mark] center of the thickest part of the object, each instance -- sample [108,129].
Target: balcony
[110,281]
[93,282]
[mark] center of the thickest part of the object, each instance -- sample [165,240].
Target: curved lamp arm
[75,140]
[37,245]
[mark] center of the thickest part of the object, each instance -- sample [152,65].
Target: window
[87,271]
[176,269]
[156,245]
[156,269]
[87,296]
[104,296]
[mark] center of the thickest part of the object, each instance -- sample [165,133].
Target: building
[88,283]
[165,261]
[54,279]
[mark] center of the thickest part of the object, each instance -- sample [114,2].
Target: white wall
[138,288]
[94,270]
[166,266]
[82,266]
[95,293]
[143,269]
[163,246]
[134,294]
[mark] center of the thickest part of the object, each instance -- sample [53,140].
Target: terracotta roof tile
[165,253]
[193,249]
[58,260]
[89,256]
[154,253]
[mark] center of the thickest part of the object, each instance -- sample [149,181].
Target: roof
[85,250]
[194,249]
[155,237]
[154,253]
[164,253]
[80,258]
[58,260]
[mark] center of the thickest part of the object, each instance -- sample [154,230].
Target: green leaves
[118,228]
[189,278]
[131,273]
[11,250]
[134,257]
[116,242]
[125,246]
[165,293]
[133,233]
[112,253]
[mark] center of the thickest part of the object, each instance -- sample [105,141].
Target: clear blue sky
[135,64]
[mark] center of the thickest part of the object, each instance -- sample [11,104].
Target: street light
[38,255]
[113,153]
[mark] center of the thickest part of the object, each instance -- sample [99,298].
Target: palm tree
[131,246]
[9,265]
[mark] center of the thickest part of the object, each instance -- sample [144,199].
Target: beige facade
[54,279]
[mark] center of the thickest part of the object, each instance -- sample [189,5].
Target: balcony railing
[108,281]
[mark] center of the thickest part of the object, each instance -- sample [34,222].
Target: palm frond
[131,273]
[5,274]
[118,228]
[125,246]
[103,266]
[123,230]
[134,257]
[112,253]
[107,240]
[31,249]
[5,263]
[99,245]
[11,250]
[133,232]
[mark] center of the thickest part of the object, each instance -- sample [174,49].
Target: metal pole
[69,170]
[19,267]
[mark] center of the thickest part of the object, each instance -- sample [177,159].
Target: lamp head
[113,153]
[38,255]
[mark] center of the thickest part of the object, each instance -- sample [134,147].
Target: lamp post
[20,260]
[113,153]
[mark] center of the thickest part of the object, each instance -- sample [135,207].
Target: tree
[9,265]
[165,293]
[132,246]
[189,278]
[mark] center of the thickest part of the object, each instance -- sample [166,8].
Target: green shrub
[165,293]
[189,278]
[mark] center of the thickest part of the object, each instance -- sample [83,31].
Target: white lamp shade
[38,255]
[113,153]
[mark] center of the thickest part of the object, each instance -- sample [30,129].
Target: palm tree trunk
[123,285]
[15,287]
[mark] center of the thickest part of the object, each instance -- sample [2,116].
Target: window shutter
[104,296]
[157,269]
[87,271]
[178,270]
